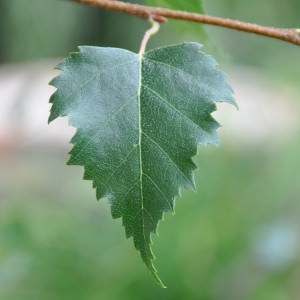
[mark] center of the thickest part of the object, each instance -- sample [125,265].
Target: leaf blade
[139,120]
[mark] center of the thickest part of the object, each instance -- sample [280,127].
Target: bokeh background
[236,238]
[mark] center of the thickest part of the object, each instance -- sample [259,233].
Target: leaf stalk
[148,34]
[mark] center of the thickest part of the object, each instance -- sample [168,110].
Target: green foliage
[191,5]
[139,119]
[189,30]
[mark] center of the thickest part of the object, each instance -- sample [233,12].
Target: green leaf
[186,28]
[139,119]
[190,5]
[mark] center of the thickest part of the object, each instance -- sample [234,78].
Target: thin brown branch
[285,34]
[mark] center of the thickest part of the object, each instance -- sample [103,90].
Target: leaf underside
[139,119]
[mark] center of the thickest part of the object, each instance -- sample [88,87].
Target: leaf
[139,119]
[189,29]
[190,5]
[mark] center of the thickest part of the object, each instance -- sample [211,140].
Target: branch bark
[289,35]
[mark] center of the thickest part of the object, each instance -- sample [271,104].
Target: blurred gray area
[236,238]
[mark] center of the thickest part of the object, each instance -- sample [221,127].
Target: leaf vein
[157,187]
[88,142]
[167,155]
[96,76]
[119,165]
[174,108]
[197,82]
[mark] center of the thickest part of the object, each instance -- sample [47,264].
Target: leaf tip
[160,283]
[157,279]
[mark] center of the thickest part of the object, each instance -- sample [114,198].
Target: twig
[285,34]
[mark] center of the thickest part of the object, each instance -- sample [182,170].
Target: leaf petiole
[148,34]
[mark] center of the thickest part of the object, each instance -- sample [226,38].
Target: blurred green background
[236,238]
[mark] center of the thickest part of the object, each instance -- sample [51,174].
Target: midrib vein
[140,148]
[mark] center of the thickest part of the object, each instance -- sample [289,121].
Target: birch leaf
[139,119]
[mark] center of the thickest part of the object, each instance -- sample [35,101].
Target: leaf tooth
[55,110]
[63,65]
[229,91]
[100,192]
[55,81]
